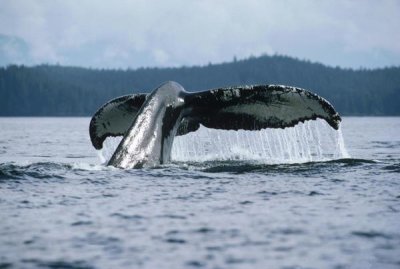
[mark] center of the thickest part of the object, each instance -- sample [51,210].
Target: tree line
[53,90]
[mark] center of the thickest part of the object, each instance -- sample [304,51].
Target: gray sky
[122,33]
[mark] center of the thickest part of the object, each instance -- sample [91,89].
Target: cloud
[137,33]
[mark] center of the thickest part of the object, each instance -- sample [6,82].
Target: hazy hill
[71,91]
[13,49]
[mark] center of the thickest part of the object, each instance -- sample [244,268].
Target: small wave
[5,265]
[371,234]
[127,217]
[238,167]
[352,161]
[393,168]
[45,170]
[175,241]
[386,144]
[81,223]
[59,264]
[41,170]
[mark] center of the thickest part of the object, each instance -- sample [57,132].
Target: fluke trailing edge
[149,122]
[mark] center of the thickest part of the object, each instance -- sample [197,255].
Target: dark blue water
[60,208]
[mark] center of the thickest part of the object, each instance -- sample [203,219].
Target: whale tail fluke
[234,108]
[114,118]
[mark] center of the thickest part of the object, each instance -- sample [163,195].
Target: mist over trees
[52,90]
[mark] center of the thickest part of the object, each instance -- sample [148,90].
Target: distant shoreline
[53,90]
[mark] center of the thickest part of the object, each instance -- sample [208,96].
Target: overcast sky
[122,33]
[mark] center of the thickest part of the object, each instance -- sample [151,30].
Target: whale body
[149,122]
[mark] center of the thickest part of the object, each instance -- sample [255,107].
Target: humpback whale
[149,122]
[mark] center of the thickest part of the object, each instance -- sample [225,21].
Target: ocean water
[297,198]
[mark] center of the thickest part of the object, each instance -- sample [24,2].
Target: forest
[54,90]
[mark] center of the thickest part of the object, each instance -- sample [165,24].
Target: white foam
[89,167]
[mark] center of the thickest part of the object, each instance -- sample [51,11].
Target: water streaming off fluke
[311,141]
[306,142]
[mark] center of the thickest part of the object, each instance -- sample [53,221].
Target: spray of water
[306,142]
